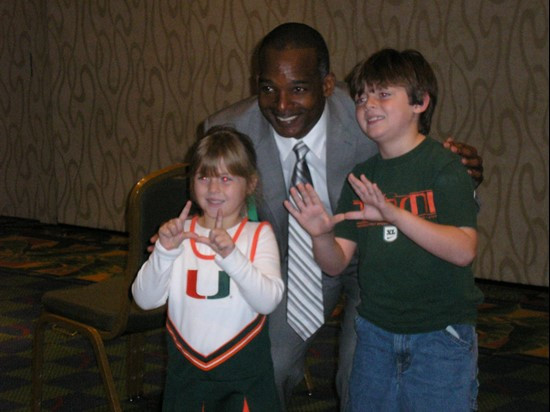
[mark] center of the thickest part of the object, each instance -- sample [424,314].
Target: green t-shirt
[403,287]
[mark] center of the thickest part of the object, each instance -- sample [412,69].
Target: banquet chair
[104,310]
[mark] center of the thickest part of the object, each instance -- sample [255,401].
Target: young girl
[220,274]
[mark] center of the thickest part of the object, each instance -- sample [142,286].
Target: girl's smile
[223,191]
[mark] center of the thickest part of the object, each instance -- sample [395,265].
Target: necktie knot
[301,150]
[301,172]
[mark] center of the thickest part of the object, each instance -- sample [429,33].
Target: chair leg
[308,379]
[105,369]
[135,365]
[99,350]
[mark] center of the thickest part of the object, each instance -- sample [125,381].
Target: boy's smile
[386,116]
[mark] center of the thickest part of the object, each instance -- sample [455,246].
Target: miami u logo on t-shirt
[420,203]
[223,285]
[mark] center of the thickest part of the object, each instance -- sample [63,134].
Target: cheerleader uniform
[218,344]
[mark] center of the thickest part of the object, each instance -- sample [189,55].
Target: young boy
[415,231]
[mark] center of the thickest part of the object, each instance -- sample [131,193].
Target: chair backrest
[155,199]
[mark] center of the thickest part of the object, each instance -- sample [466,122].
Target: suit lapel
[340,153]
[273,188]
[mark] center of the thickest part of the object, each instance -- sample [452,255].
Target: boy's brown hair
[408,69]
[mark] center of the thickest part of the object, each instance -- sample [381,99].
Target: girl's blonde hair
[236,150]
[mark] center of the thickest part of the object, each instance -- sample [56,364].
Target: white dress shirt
[316,141]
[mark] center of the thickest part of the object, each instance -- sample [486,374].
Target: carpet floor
[35,258]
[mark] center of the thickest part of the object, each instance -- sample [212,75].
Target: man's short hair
[297,36]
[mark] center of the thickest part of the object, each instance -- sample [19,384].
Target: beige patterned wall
[94,94]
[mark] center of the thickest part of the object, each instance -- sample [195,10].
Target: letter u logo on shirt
[223,285]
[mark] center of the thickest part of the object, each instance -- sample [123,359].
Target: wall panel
[95,94]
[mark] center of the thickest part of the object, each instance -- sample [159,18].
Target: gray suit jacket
[346,146]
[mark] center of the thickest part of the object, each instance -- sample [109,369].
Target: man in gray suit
[298,100]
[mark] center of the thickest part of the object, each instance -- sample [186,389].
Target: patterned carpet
[34,258]
[60,250]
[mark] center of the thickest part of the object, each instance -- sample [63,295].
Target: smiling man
[293,90]
[299,104]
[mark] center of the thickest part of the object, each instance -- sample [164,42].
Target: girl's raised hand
[218,239]
[309,211]
[171,233]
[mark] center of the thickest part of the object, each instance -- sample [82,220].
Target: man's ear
[328,84]
[420,108]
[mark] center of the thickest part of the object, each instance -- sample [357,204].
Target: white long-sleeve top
[212,299]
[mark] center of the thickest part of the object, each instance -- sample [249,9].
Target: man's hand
[153,239]
[470,158]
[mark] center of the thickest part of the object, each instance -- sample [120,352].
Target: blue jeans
[435,371]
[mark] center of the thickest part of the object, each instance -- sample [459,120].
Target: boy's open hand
[171,233]
[309,211]
[218,239]
[375,207]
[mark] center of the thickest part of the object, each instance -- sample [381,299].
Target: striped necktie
[304,288]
